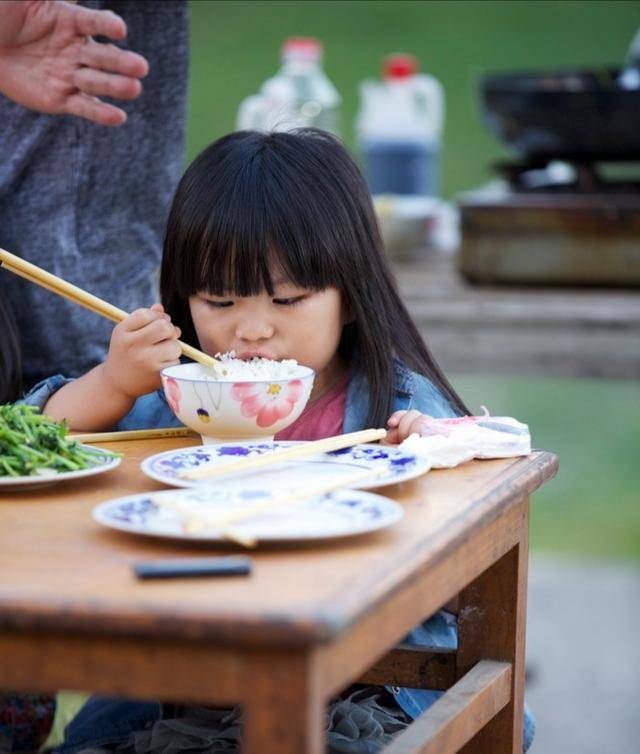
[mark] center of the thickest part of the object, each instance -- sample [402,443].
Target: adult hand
[50,63]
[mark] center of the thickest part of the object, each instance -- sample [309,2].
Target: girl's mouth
[248,355]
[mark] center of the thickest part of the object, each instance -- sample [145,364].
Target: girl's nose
[254,329]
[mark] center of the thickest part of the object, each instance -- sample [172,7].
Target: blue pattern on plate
[167,466]
[135,511]
[253,494]
[188,459]
[242,450]
[337,514]
[398,460]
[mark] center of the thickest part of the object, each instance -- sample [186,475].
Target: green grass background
[593,506]
[236,47]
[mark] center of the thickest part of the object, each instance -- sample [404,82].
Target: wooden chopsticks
[286,454]
[134,434]
[202,520]
[37,275]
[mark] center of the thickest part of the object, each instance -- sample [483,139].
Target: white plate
[339,464]
[339,514]
[27,483]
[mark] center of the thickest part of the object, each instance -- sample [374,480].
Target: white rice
[254,369]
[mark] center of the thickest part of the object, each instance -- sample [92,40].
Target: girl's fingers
[141,318]
[416,427]
[394,419]
[401,424]
[391,438]
[398,424]
[157,332]
[163,354]
[406,422]
[100,84]
[171,353]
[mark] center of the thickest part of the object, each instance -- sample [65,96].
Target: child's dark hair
[297,200]
[10,356]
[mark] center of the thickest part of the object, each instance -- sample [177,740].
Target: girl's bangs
[245,253]
[269,222]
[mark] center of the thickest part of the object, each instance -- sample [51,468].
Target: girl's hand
[401,424]
[141,345]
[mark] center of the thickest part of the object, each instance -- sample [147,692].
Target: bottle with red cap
[299,95]
[399,128]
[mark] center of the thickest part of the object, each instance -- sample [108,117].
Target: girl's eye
[289,301]
[219,304]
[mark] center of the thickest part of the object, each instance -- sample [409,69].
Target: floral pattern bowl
[228,409]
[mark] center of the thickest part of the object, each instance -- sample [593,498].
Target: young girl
[272,249]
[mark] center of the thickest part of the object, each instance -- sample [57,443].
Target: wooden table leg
[285,711]
[491,625]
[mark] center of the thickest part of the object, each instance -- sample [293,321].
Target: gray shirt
[88,202]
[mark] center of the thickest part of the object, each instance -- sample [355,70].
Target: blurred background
[586,523]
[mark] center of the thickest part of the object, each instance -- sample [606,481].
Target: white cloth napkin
[449,442]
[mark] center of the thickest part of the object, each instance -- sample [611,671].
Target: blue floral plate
[172,514]
[339,464]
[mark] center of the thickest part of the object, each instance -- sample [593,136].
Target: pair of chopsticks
[44,279]
[337,442]
[222,523]
[133,434]
[286,454]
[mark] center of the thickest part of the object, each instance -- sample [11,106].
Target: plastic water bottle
[399,128]
[299,95]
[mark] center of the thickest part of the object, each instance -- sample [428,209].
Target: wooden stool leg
[285,713]
[491,625]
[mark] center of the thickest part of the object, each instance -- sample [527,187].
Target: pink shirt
[321,418]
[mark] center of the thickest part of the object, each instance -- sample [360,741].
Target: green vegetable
[31,442]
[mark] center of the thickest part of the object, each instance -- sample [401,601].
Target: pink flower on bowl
[173,394]
[268,402]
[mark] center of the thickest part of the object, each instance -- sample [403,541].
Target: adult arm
[50,63]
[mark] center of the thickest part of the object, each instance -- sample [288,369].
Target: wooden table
[306,623]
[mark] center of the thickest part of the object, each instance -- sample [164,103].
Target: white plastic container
[300,95]
[399,128]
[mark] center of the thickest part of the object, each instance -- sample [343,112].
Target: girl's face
[295,323]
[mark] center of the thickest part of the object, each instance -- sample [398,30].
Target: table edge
[324,623]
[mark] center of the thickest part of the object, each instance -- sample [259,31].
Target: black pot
[574,115]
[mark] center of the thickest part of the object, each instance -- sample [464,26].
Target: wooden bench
[517,330]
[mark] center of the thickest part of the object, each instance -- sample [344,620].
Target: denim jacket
[410,390]
[106,721]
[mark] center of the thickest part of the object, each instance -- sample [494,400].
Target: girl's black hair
[297,200]
[10,357]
